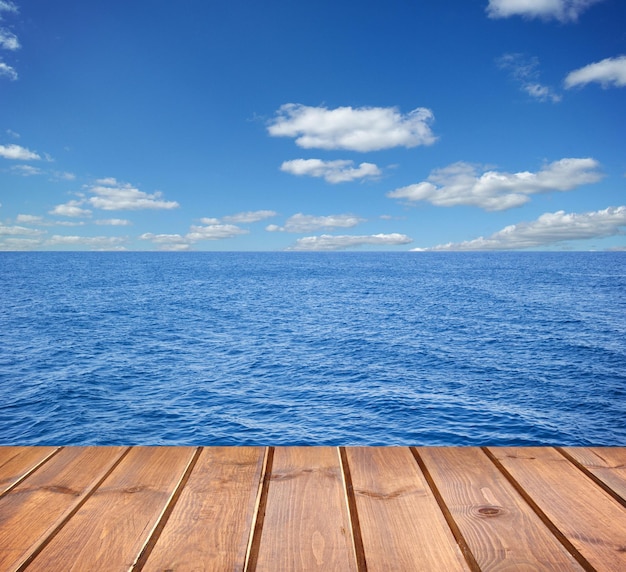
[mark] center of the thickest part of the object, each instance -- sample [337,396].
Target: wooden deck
[308,508]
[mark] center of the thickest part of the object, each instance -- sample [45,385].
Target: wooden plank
[111,528]
[17,462]
[607,464]
[210,526]
[590,519]
[33,510]
[401,525]
[306,524]
[501,530]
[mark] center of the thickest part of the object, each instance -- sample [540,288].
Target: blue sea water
[313,348]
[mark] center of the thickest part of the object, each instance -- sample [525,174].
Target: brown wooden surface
[18,462]
[401,524]
[306,524]
[607,464]
[590,519]
[500,529]
[306,508]
[211,525]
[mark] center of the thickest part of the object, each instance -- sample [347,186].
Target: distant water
[313,348]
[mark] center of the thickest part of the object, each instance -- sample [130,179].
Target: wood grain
[111,528]
[210,525]
[306,525]
[590,519]
[401,524]
[33,510]
[607,464]
[17,462]
[501,530]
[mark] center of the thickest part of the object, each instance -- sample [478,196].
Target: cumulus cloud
[308,223]
[18,230]
[7,6]
[17,152]
[355,129]
[547,230]
[334,242]
[340,171]
[7,71]
[19,243]
[93,242]
[525,72]
[28,219]
[608,72]
[8,40]
[26,170]
[111,195]
[214,232]
[71,208]
[561,10]
[113,222]
[248,217]
[460,184]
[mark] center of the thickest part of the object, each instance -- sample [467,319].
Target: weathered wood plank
[306,525]
[608,464]
[402,527]
[16,462]
[501,530]
[211,523]
[111,528]
[33,510]
[590,519]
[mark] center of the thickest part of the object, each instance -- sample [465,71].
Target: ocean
[288,348]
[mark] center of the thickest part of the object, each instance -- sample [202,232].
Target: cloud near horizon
[354,129]
[547,230]
[326,242]
[561,10]
[610,72]
[460,184]
[339,171]
[308,223]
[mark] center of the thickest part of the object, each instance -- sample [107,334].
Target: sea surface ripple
[313,348]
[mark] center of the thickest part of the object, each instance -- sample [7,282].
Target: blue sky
[286,125]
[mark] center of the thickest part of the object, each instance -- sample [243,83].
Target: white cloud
[71,208]
[111,195]
[174,242]
[26,170]
[8,40]
[18,230]
[28,219]
[63,176]
[16,151]
[459,184]
[355,129]
[547,230]
[113,222]
[339,171]
[330,242]
[20,244]
[246,217]
[7,71]
[214,232]
[7,6]
[608,72]
[308,223]
[94,242]
[561,10]
[525,72]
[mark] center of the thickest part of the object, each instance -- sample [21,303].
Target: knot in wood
[489,510]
